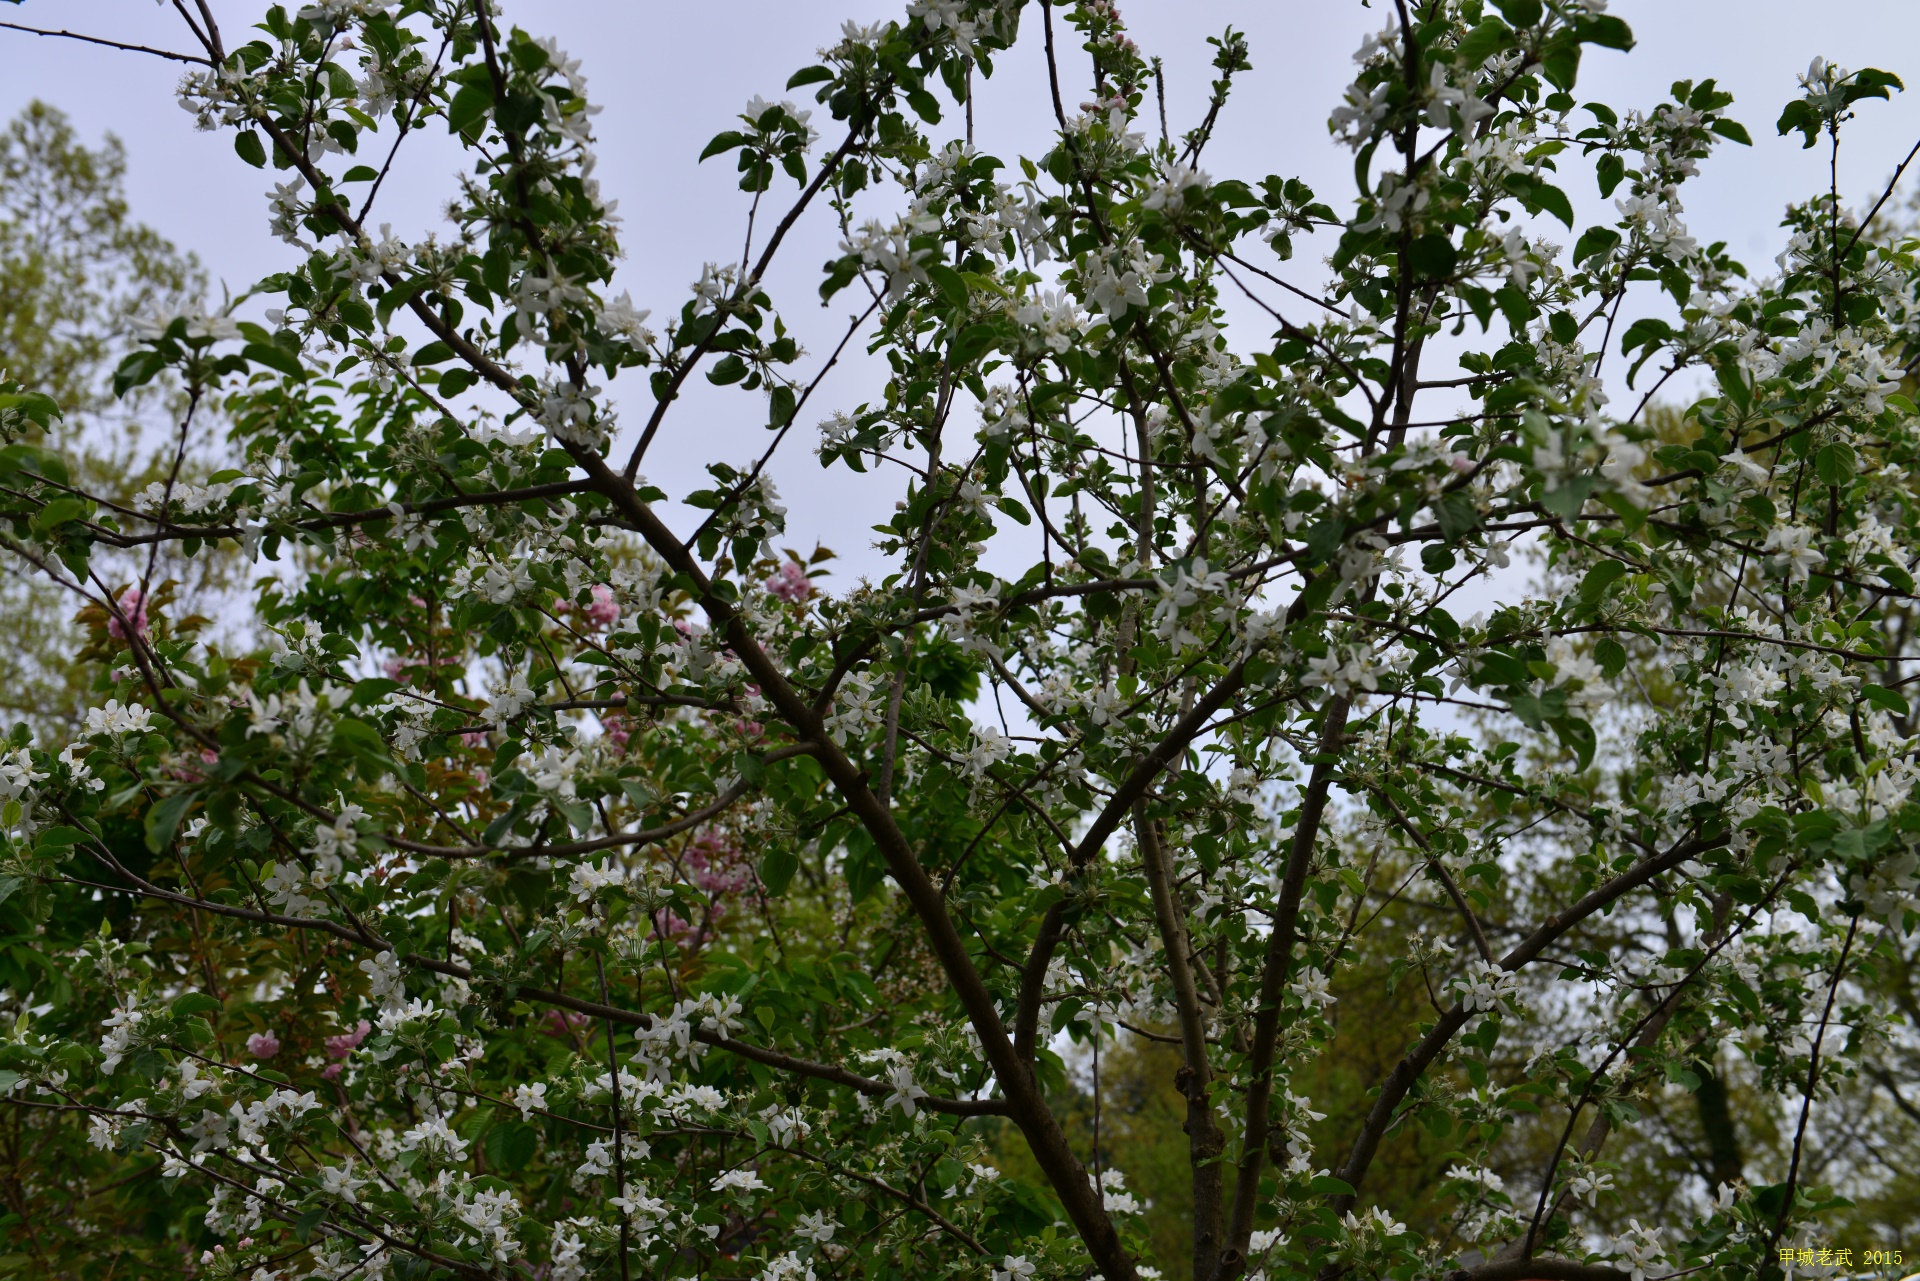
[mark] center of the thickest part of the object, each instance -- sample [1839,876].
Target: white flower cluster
[1486,988]
[889,249]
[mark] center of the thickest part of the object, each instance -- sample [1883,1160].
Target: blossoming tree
[565,886]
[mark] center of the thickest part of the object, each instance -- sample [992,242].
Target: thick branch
[1204,1143]
[1409,1069]
[1273,978]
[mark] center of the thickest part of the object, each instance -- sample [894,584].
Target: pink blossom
[133,607]
[263,1045]
[400,669]
[562,1022]
[719,868]
[614,726]
[603,610]
[790,583]
[476,739]
[331,1071]
[339,1047]
[189,773]
[669,924]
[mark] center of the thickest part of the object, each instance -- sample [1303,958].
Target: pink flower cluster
[718,866]
[400,669]
[790,583]
[614,725]
[722,870]
[601,611]
[188,772]
[133,608]
[263,1045]
[341,1046]
[563,1022]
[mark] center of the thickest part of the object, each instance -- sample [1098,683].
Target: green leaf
[59,512]
[722,143]
[1555,202]
[1481,43]
[1560,63]
[1799,114]
[1871,82]
[1594,586]
[1432,256]
[371,690]
[510,1145]
[1734,383]
[1732,131]
[924,105]
[1607,31]
[809,76]
[1886,699]
[138,369]
[1013,508]
[194,1003]
[247,146]
[163,818]
[1456,515]
[1323,539]
[468,108]
[949,282]
[777,867]
[1521,13]
[303,1228]
[1595,241]
[1576,736]
[780,406]
[1834,463]
[1567,501]
[1327,1185]
[275,357]
[1609,170]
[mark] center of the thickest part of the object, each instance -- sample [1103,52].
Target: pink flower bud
[263,1045]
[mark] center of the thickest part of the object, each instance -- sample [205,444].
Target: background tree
[76,274]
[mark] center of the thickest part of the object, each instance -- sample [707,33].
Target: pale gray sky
[671,75]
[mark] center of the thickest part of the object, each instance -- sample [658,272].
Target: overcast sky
[670,75]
